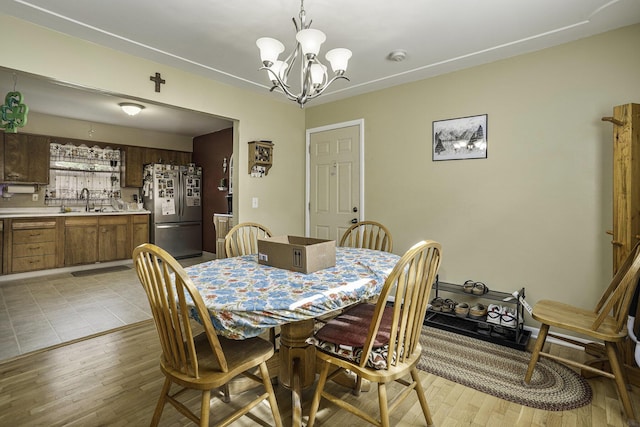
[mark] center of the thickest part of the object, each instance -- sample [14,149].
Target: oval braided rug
[499,371]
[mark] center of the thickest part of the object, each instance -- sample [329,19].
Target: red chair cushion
[351,327]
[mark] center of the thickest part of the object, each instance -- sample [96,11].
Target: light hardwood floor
[114,380]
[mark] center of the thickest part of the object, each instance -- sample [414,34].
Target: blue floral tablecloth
[245,298]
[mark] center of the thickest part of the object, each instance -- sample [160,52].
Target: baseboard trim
[536,331]
[63,270]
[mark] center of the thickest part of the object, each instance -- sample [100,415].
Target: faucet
[86,197]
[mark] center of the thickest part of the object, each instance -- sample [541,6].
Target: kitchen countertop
[55,211]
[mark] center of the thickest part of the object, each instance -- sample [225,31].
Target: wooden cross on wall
[158,80]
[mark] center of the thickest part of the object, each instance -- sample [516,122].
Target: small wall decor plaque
[461,138]
[13,113]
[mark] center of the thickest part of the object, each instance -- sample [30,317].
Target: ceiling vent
[398,55]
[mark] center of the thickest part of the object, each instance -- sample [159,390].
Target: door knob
[354,221]
[355,209]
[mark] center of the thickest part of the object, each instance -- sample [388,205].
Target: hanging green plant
[13,113]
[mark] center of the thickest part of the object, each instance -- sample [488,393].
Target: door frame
[360,124]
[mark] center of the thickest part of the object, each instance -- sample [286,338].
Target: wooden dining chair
[204,362]
[242,239]
[606,323]
[368,235]
[380,342]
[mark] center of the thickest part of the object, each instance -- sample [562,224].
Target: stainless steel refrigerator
[173,194]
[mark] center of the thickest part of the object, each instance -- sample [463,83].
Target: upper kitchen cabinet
[136,157]
[133,167]
[24,159]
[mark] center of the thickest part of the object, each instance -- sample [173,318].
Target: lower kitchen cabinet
[140,232]
[80,240]
[43,243]
[114,240]
[103,238]
[33,245]
[1,246]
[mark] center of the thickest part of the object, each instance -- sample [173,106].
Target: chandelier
[314,78]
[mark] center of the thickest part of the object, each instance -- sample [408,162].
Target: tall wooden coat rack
[626,180]
[626,202]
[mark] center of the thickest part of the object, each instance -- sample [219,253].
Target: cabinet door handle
[34,248]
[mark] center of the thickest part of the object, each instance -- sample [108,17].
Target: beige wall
[534,213]
[281,193]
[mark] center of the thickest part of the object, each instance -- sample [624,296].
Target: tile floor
[44,311]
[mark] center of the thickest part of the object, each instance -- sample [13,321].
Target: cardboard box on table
[301,254]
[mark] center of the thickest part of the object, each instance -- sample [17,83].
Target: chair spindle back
[168,287]
[242,239]
[410,281]
[368,235]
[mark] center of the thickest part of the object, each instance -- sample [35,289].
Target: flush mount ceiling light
[130,108]
[313,74]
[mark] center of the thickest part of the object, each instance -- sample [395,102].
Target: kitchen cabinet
[140,233]
[114,240]
[223,223]
[103,238]
[24,158]
[133,165]
[33,244]
[1,245]
[42,243]
[80,240]
[136,157]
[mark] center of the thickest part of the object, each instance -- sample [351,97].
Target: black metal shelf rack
[510,337]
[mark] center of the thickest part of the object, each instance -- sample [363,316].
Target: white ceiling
[216,39]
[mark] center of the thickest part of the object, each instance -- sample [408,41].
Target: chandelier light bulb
[310,41]
[270,49]
[318,74]
[339,59]
[279,68]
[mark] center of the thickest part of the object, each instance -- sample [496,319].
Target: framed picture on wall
[459,139]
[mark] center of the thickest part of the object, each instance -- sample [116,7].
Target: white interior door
[335,174]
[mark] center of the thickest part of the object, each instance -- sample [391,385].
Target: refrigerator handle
[183,190]
[180,192]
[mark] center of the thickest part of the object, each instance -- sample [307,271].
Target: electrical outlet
[34,197]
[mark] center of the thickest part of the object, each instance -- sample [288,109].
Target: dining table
[245,299]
